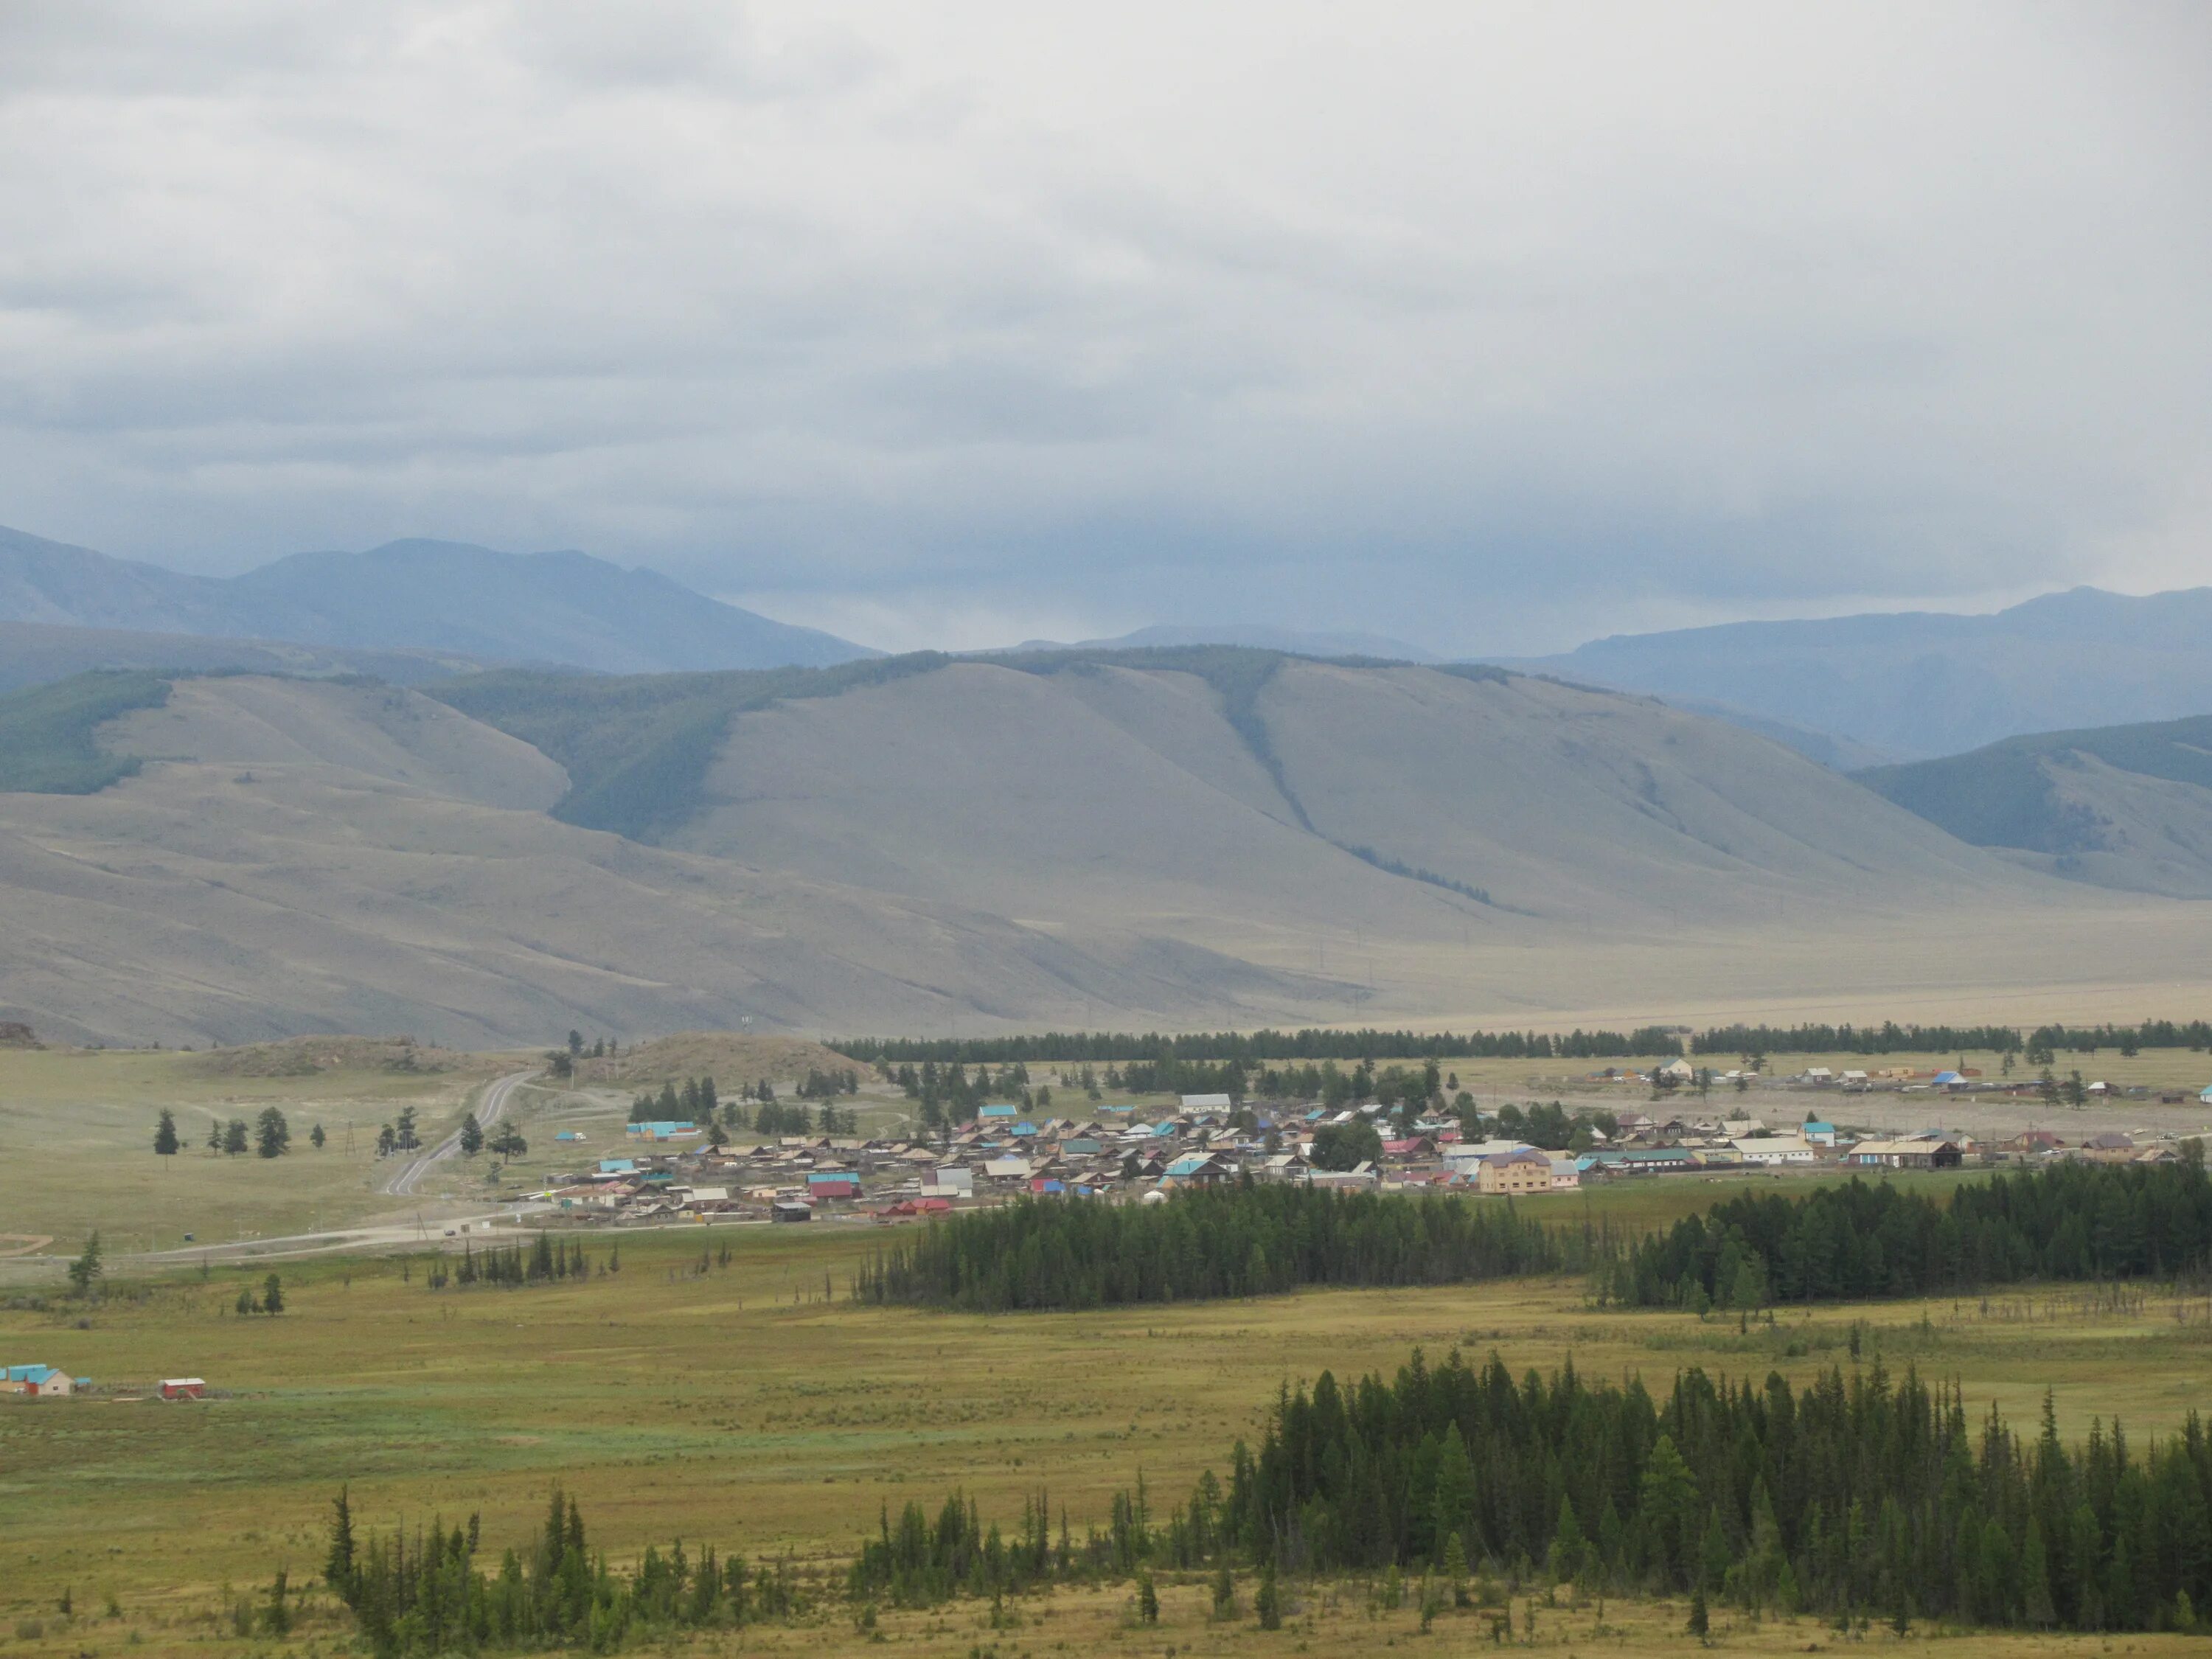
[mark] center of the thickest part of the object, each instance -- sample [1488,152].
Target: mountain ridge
[1917,684]
[2124,806]
[1170,838]
[567,606]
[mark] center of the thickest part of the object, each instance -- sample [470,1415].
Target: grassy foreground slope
[733,1405]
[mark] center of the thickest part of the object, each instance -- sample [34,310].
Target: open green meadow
[748,1404]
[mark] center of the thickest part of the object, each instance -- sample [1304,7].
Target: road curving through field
[488,1110]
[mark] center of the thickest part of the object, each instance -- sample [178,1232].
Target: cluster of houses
[1969,1080]
[672,1171]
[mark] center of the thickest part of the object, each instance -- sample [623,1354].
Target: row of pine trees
[432,1595]
[544,1261]
[1846,1498]
[1849,1499]
[2068,1221]
[1237,1239]
[1252,1047]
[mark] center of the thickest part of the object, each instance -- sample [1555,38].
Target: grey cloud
[1491,328]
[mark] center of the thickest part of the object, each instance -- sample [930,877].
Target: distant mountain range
[1908,685]
[564,607]
[2127,807]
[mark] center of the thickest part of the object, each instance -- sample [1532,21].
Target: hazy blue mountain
[1302,642]
[2124,806]
[43,581]
[1920,683]
[443,597]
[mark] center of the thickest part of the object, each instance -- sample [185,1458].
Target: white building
[1473,1151]
[1774,1150]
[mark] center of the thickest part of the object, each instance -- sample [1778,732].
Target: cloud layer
[1492,327]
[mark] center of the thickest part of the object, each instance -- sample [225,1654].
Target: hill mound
[309,1056]
[730,1058]
[39,653]
[2125,806]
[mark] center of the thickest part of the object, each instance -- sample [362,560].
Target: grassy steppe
[737,1406]
[76,1131]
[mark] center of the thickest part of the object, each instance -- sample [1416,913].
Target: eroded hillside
[1176,838]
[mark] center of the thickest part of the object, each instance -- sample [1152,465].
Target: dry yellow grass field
[76,1130]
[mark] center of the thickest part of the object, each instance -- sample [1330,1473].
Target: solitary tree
[472,1136]
[1148,1600]
[272,1295]
[85,1272]
[1700,1623]
[164,1134]
[1268,1604]
[576,1045]
[1225,1593]
[272,1135]
[318,1137]
[214,1135]
[234,1137]
[338,1570]
[405,1136]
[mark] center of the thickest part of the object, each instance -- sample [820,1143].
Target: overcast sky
[1491,327]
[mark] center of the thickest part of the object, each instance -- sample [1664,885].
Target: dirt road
[409,1179]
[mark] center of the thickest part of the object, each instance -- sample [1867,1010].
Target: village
[675,1171]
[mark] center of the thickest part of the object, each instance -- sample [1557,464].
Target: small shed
[790,1209]
[184,1387]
